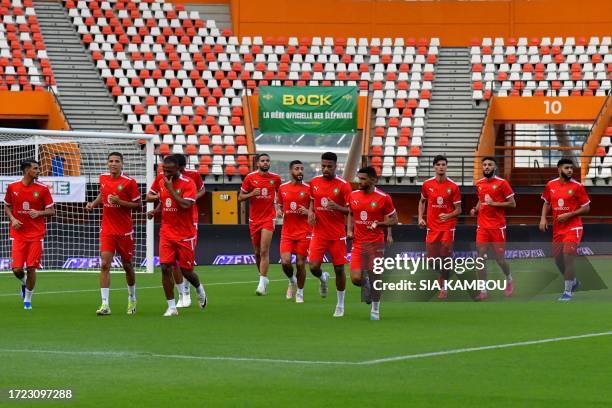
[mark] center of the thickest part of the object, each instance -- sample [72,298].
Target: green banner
[308,109]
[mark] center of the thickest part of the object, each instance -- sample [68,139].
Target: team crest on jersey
[271,181]
[36,194]
[560,202]
[363,215]
[301,194]
[293,205]
[373,204]
[178,191]
[494,186]
[324,202]
[570,192]
[168,202]
[264,191]
[336,191]
[120,187]
[448,190]
[440,200]
[26,205]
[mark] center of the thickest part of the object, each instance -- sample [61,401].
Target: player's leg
[126,252]
[300,266]
[186,255]
[482,246]
[34,254]
[316,251]
[256,242]
[571,240]
[264,260]
[338,256]
[106,258]
[18,255]
[378,251]
[168,254]
[177,276]
[286,249]
[499,248]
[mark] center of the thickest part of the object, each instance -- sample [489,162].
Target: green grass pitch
[245,350]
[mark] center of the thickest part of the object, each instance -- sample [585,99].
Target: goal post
[71,163]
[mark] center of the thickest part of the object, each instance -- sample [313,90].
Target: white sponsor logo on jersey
[168,202]
[26,205]
[293,205]
[324,202]
[363,215]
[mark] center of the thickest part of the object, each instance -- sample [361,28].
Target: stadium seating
[179,77]
[24,65]
[600,170]
[541,67]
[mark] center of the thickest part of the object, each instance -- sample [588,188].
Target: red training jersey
[117,220]
[190,174]
[22,199]
[563,198]
[176,222]
[441,199]
[367,208]
[292,197]
[261,207]
[499,191]
[329,224]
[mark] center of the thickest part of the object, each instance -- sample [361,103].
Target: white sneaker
[291,289]
[374,315]
[171,311]
[262,288]
[324,284]
[186,300]
[339,311]
[202,301]
[179,303]
[299,298]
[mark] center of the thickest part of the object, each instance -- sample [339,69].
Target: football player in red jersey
[177,232]
[494,196]
[294,201]
[260,187]
[118,195]
[371,212]
[328,211]
[443,207]
[27,203]
[568,200]
[182,285]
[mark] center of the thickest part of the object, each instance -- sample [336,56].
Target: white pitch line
[124,354]
[483,348]
[55,292]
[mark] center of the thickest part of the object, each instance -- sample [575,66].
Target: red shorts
[495,237]
[123,244]
[26,253]
[439,243]
[295,246]
[335,247]
[173,252]
[567,241]
[363,254]
[255,230]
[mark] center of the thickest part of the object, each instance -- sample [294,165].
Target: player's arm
[8,210]
[389,221]
[390,236]
[349,226]
[476,208]
[421,212]
[452,214]
[93,204]
[311,214]
[508,203]
[200,193]
[180,201]
[583,210]
[543,222]
[47,212]
[155,211]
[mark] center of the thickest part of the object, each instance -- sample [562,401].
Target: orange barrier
[589,149]
[542,109]
[40,106]
[454,22]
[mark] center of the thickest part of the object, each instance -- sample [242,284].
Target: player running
[118,195]
[27,203]
[260,187]
[330,196]
[371,212]
[494,196]
[182,285]
[569,200]
[294,201]
[443,207]
[177,232]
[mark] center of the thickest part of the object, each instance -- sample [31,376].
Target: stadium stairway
[83,95]
[453,122]
[219,12]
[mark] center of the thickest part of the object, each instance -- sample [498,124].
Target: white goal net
[71,163]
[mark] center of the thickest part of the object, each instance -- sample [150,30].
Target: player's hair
[182,161]
[171,159]
[563,161]
[119,155]
[369,170]
[294,162]
[26,164]
[490,158]
[439,157]
[330,156]
[260,155]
